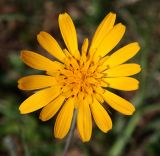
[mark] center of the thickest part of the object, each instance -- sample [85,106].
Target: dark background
[26,135]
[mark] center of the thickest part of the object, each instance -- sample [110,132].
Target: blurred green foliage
[25,135]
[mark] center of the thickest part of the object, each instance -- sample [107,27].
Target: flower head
[80,79]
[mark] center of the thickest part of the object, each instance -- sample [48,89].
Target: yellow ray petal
[84,51]
[85,46]
[52,108]
[122,83]
[33,82]
[105,26]
[50,45]
[84,121]
[69,35]
[39,100]
[39,62]
[101,117]
[64,119]
[123,54]
[110,41]
[123,70]
[116,102]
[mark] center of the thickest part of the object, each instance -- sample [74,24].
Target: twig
[70,135]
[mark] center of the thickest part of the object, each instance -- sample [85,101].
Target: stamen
[67,53]
[103,60]
[99,97]
[104,83]
[99,90]
[66,72]
[74,64]
[103,68]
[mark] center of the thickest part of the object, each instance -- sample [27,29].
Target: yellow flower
[80,79]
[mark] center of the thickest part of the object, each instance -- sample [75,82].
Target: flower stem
[70,135]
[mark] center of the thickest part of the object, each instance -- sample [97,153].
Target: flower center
[78,76]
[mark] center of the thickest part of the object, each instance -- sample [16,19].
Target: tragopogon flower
[80,79]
